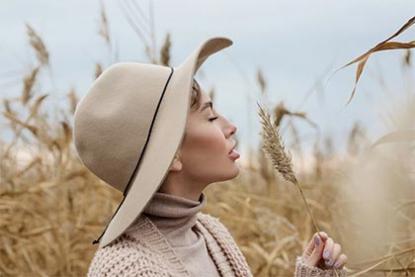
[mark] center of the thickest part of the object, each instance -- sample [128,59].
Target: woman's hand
[324,253]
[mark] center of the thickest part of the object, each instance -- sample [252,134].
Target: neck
[174,215]
[178,186]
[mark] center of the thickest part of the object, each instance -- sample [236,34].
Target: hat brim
[166,136]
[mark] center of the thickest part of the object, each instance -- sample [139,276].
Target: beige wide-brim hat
[129,125]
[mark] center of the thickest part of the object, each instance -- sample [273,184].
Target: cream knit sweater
[172,237]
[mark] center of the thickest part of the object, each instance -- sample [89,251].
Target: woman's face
[208,139]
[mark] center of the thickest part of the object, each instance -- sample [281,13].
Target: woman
[158,228]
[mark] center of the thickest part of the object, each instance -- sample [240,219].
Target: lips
[234,154]
[232,148]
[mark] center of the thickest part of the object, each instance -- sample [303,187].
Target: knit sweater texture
[172,237]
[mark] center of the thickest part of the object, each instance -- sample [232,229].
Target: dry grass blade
[31,128]
[152,27]
[395,254]
[359,71]
[141,29]
[33,163]
[73,100]
[381,47]
[408,24]
[7,107]
[136,27]
[37,44]
[67,133]
[165,51]
[380,260]
[384,45]
[407,58]
[140,11]
[407,270]
[261,81]
[103,28]
[280,111]
[34,109]
[9,110]
[28,82]
[403,28]
[98,70]
[368,269]
[14,120]
[398,136]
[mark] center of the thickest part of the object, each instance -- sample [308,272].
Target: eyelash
[212,119]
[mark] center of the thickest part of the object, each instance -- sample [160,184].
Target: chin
[235,171]
[229,174]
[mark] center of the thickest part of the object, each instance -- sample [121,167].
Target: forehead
[204,97]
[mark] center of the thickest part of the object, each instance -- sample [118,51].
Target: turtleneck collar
[173,214]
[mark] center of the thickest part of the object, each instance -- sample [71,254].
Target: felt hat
[129,125]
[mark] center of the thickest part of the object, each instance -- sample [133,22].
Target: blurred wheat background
[52,207]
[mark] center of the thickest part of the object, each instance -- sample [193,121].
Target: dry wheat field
[52,207]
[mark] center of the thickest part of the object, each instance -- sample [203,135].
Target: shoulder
[126,256]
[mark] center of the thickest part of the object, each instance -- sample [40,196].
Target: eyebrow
[207,105]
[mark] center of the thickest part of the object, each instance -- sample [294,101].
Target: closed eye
[213,118]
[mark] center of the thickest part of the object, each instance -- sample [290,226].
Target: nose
[232,129]
[228,127]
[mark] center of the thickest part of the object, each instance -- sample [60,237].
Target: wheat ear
[281,161]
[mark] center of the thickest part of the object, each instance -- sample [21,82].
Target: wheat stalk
[38,46]
[281,161]
[165,51]
[274,148]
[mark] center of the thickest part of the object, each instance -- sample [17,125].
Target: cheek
[204,145]
[205,154]
[208,144]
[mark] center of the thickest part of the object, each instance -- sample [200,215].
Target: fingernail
[325,254]
[317,240]
[330,262]
[337,265]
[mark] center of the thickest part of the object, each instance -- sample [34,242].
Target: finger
[328,248]
[323,236]
[315,256]
[334,255]
[312,243]
[341,261]
[310,246]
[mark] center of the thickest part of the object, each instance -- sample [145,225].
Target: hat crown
[113,120]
